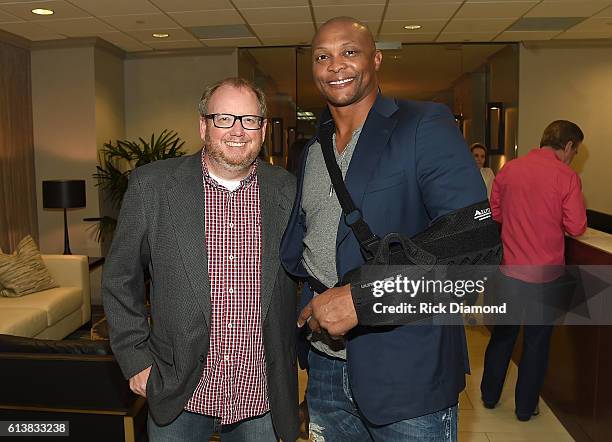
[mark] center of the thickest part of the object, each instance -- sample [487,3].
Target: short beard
[215,152]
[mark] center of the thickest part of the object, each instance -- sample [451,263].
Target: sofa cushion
[24,272]
[57,303]
[22,321]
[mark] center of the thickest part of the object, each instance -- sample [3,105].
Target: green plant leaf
[118,159]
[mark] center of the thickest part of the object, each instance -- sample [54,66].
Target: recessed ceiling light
[40,11]
[412,27]
[161,35]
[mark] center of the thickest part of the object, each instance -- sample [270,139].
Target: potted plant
[118,159]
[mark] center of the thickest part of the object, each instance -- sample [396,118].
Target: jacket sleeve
[448,179]
[446,172]
[123,287]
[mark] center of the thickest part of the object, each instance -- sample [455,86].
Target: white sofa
[53,313]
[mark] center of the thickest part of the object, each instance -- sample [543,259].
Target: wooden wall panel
[17,176]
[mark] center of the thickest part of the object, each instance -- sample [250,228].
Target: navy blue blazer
[410,166]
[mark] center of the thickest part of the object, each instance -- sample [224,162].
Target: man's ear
[569,146]
[202,128]
[378,56]
[264,126]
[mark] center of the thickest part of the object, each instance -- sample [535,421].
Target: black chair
[78,381]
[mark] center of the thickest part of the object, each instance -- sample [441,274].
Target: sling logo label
[481,215]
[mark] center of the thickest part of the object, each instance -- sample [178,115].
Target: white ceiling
[129,24]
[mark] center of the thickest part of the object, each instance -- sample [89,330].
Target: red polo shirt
[537,199]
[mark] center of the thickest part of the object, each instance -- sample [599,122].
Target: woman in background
[479,151]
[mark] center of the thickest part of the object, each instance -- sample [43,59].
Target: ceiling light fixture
[161,35]
[412,27]
[40,11]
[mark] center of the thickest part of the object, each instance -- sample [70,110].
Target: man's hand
[332,310]
[138,382]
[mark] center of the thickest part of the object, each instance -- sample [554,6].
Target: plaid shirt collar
[244,183]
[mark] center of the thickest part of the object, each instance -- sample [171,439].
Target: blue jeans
[193,427]
[334,416]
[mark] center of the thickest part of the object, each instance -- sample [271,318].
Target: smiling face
[232,150]
[345,62]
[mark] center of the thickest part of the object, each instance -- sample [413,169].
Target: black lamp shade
[64,194]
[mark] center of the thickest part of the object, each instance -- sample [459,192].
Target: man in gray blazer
[218,352]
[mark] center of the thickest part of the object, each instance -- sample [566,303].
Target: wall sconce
[276,136]
[495,133]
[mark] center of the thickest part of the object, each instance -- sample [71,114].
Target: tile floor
[478,424]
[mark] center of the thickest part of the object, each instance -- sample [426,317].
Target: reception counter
[578,386]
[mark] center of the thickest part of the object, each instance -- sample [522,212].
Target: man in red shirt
[537,199]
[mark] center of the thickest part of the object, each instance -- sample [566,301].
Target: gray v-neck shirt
[322,212]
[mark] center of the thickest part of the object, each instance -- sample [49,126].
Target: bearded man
[218,352]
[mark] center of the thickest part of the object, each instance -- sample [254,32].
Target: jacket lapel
[271,232]
[374,136]
[185,193]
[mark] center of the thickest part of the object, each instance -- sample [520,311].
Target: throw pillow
[24,271]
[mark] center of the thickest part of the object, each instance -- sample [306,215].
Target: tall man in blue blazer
[405,164]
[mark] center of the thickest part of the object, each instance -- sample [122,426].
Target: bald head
[345,61]
[350,24]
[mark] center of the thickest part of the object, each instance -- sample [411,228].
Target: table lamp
[64,194]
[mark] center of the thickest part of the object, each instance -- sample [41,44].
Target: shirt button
[231,291]
[229,325]
[231,257]
[226,358]
[231,225]
[202,359]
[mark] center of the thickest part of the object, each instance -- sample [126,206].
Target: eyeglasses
[225,121]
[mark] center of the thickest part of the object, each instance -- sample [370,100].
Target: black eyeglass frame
[236,117]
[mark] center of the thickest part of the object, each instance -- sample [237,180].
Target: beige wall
[110,126]
[78,104]
[85,96]
[110,115]
[64,123]
[162,92]
[109,82]
[573,84]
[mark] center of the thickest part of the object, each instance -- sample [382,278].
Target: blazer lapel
[185,193]
[374,136]
[271,233]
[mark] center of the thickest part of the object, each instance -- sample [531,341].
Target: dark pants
[532,367]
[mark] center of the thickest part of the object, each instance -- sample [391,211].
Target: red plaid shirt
[233,383]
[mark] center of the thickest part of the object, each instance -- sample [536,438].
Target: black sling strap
[368,242]
[352,214]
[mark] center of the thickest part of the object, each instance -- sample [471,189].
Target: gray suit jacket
[161,228]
